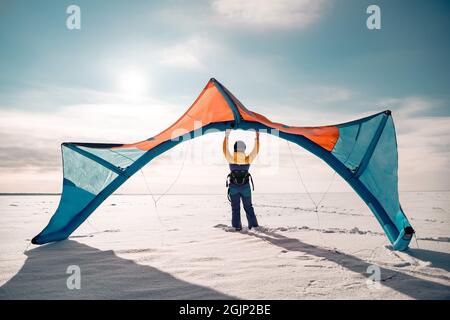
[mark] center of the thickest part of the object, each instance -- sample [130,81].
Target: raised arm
[226,151]
[255,150]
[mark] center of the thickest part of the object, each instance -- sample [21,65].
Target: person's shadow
[103,276]
[400,281]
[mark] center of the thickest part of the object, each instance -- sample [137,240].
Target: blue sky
[304,62]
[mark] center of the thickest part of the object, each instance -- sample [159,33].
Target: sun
[132,83]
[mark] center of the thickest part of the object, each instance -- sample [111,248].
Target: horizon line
[181,194]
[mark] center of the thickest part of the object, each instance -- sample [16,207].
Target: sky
[134,67]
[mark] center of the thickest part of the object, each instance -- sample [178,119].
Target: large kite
[363,152]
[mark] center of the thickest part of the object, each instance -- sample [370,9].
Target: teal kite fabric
[363,152]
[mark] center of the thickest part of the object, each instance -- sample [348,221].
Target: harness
[239,178]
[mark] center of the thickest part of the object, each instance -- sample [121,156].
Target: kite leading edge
[363,152]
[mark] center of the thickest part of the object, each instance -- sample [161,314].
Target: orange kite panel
[209,107]
[326,136]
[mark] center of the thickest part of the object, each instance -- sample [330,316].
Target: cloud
[334,94]
[31,138]
[422,143]
[193,53]
[280,14]
[326,93]
[44,98]
[411,106]
[424,153]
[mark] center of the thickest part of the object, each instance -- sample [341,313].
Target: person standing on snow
[238,181]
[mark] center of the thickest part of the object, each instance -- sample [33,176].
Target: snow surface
[129,249]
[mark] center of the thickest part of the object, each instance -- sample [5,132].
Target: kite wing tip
[35,240]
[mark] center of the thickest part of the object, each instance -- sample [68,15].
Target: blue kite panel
[353,141]
[73,199]
[83,180]
[85,173]
[381,178]
[119,157]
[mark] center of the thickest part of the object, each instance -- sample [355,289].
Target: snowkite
[363,152]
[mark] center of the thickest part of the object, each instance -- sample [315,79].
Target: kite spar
[363,152]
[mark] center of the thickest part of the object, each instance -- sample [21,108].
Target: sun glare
[132,83]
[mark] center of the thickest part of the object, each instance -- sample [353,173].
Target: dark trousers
[244,193]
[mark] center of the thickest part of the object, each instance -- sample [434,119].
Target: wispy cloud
[413,106]
[281,14]
[422,138]
[249,15]
[325,93]
[193,53]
